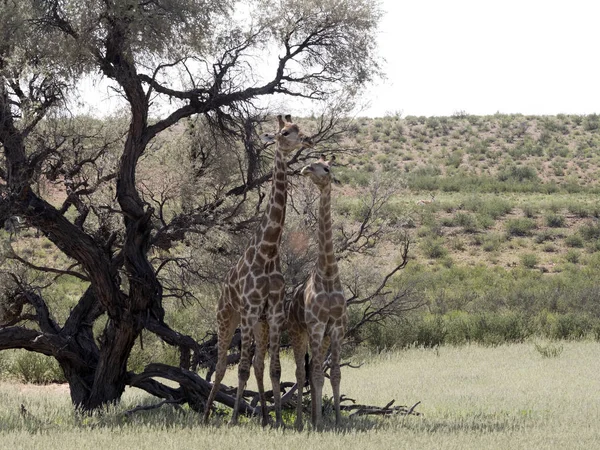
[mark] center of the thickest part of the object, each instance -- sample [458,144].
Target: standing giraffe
[252,295]
[317,313]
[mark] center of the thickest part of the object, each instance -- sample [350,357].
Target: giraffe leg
[227,322]
[276,321]
[316,375]
[261,334]
[299,346]
[243,370]
[336,375]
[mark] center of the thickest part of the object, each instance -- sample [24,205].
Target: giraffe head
[289,137]
[320,172]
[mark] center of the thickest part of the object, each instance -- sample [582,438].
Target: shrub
[591,122]
[486,329]
[529,260]
[30,367]
[569,326]
[467,221]
[447,222]
[492,242]
[485,221]
[555,220]
[530,211]
[518,174]
[590,231]
[579,210]
[434,248]
[520,227]
[574,240]
[498,207]
[543,236]
[432,331]
[572,256]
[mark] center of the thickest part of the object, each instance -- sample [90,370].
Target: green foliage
[529,260]
[492,242]
[591,122]
[494,206]
[29,367]
[565,326]
[555,220]
[518,174]
[467,221]
[574,240]
[430,333]
[580,210]
[433,247]
[590,231]
[490,329]
[520,227]
[572,256]
[458,328]
[530,211]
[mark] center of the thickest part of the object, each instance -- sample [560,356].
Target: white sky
[488,56]
[477,56]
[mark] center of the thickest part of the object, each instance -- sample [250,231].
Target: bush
[569,326]
[434,248]
[490,328]
[530,211]
[458,327]
[555,220]
[591,122]
[580,210]
[494,207]
[431,332]
[520,227]
[543,236]
[590,231]
[467,221]
[30,367]
[492,242]
[574,240]
[518,174]
[572,256]
[529,260]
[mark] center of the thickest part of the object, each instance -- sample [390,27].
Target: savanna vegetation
[472,397]
[118,230]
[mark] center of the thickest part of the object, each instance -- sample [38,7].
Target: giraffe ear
[280,122]
[332,159]
[323,157]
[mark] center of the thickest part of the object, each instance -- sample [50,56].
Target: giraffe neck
[268,236]
[326,263]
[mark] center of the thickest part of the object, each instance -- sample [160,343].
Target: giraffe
[317,313]
[252,295]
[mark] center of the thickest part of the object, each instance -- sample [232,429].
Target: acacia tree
[169,60]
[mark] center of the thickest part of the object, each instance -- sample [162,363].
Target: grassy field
[511,396]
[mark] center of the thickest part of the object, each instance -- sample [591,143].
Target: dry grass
[472,397]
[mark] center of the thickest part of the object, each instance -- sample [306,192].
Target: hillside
[561,149]
[503,190]
[501,211]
